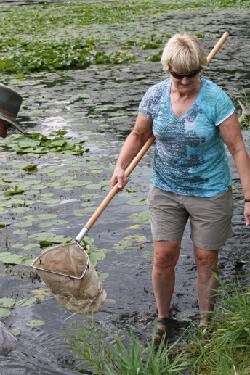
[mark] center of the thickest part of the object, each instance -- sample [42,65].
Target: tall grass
[120,353]
[221,349]
[225,348]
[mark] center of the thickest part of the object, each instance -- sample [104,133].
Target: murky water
[99,104]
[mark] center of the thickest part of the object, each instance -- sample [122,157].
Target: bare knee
[206,259]
[166,254]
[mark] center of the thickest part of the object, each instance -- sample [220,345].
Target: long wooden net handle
[115,188]
[217,46]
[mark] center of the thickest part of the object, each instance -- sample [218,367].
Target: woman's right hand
[118,178]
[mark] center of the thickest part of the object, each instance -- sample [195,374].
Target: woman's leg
[207,281]
[166,254]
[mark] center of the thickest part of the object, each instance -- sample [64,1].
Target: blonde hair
[183,53]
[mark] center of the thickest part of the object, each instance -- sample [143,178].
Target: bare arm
[231,134]
[136,139]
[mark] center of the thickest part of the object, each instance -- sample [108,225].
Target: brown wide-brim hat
[10,103]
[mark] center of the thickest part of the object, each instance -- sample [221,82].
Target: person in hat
[10,103]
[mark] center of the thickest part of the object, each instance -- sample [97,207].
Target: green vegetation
[119,353]
[50,37]
[40,144]
[222,349]
[226,350]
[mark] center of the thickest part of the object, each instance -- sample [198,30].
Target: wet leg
[207,281]
[166,254]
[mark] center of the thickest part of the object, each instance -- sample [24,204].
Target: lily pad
[122,246]
[26,301]
[136,238]
[30,168]
[40,294]
[97,256]
[37,143]
[23,224]
[49,239]
[140,217]
[7,302]
[20,210]
[15,331]
[4,225]
[20,232]
[35,323]
[137,202]
[9,258]
[11,192]
[30,246]
[4,313]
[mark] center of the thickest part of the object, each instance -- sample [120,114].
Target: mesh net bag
[72,279]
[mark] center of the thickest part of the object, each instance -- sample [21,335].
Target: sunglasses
[185,75]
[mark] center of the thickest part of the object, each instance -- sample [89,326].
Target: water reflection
[51,124]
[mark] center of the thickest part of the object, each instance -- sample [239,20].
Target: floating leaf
[20,232]
[50,236]
[141,217]
[123,245]
[30,168]
[40,294]
[17,246]
[4,225]
[97,256]
[37,143]
[7,302]
[135,226]
[47,216]
[15,331]
[29,246]
[23,224]
[51,201]
[137,202]
[35,323]
[9,258]
[48,239]
[136,238]
[4,313]
[16,190]
[26,301]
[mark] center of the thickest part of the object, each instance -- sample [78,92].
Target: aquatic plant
[74,35]
[40,144]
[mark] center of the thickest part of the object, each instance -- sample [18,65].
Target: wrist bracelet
[247,200]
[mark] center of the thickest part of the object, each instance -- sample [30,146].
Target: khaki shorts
[210,218]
